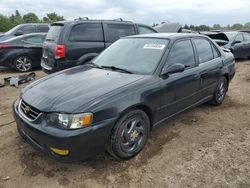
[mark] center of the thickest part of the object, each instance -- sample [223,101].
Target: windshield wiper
[94,65]
[118,69]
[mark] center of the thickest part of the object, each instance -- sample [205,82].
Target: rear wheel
[220,92]
[22,63]
[129,135]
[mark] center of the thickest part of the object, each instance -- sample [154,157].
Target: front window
[137,55]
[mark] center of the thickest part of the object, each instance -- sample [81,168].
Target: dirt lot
[204,147]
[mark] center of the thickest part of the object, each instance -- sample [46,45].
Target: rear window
[116,31]
[87,32]
[54,33]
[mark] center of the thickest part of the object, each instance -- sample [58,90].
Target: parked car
[22,53]
[70,43]
[22,29]
[237,42]
[114,101]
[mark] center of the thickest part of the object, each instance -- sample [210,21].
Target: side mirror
[175,68]
[18,33]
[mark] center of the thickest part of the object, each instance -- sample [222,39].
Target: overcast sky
[145,11]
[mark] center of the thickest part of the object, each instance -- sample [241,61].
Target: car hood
[71,89]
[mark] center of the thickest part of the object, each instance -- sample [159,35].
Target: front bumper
[81,143]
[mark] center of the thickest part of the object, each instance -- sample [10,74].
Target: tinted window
[42,28]
[204,50]
[86,32]
[182,52]
[145,30]
[246,36]
[35,39]
[54,33]
[27,29]
[215,52]
[116,31]
[239,37]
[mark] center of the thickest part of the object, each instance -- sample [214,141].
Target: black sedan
[22,53]
[114,101]
[237,42]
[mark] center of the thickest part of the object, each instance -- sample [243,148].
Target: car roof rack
[118,19]
[81,18]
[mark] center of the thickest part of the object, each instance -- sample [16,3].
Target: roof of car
[90,20]
[166,35]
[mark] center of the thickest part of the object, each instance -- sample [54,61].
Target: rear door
[210,65]
[114,31]
[84,38]
[49,45]
[238,50]
[246,44]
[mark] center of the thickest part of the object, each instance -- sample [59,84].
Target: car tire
[23,63]
[220,92]
[129,134]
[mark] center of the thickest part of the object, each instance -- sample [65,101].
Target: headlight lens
[69,121]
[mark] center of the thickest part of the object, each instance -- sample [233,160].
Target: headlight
[69,121]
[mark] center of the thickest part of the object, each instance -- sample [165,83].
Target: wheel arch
[142,107]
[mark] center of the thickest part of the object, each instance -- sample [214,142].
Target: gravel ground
[204,147]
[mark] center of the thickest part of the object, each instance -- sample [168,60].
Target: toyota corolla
[113,102]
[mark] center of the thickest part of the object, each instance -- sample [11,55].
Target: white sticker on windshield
[154,46]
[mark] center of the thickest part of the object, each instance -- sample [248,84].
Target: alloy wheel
[23,64]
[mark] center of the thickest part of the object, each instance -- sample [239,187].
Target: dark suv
[71,43]
[25,29]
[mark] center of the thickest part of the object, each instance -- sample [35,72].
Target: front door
[180,89]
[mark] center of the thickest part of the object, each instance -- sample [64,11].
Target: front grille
[28,112]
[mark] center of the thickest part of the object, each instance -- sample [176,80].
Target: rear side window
[42,28]
[54,33]
[27,29]
[35,39]
[87,32]
[116,31]
[182,52]
[246,36]
[204,50]
[215,51]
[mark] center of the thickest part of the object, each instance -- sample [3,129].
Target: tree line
[8,22]
[236,26]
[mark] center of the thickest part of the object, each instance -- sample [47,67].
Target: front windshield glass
[137,55]
[11,31]
[231,35]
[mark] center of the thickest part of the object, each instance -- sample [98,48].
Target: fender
[86,57]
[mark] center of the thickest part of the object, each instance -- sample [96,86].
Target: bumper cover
[81,143]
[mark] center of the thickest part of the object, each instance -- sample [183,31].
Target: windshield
[231,35]
[53,33]
[137,55]
[12,30]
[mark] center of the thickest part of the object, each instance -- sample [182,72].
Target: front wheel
[129,134]
[22,63]
[220,92]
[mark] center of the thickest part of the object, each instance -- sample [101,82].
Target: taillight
[4,46]
[60,51]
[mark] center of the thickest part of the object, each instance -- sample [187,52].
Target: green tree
[247,25]
[4,23]
[30,18]
[237,26]
[52,17]
[216,26]
[186,27]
